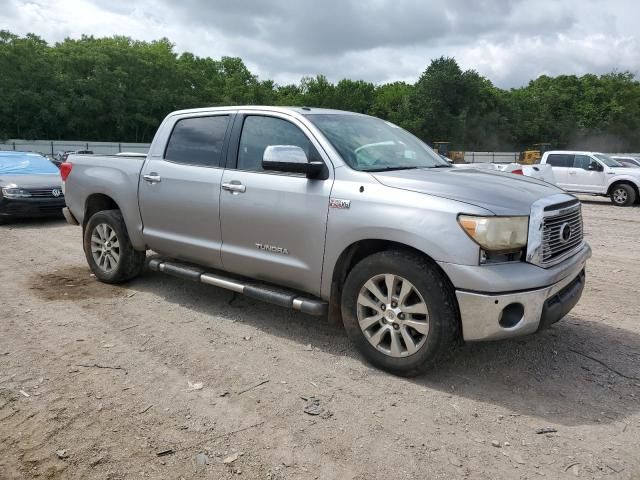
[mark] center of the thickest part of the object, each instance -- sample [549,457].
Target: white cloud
[509,41]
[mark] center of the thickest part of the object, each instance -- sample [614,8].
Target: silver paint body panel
[193,218]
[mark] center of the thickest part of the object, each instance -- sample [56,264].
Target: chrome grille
[45,192]
[561,233]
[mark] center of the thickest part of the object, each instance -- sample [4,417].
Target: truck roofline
[266,108]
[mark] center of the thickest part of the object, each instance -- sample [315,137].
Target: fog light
[511,315]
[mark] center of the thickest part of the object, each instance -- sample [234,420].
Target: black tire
[130,262]
[623,195]
[438,295]
[5,220]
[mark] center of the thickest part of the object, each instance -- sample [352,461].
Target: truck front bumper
[495,315]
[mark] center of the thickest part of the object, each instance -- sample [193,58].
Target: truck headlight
[496,234]
[13,192]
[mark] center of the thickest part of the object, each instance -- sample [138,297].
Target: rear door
[179,191]
[273,224]
[587,175]
[561,162]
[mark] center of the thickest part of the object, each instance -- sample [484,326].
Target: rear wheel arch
[95,203]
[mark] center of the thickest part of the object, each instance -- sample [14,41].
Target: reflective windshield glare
[370,144]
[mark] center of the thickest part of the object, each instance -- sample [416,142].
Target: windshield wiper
[386,169]
[442,166]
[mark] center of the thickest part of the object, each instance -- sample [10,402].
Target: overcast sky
[508,41]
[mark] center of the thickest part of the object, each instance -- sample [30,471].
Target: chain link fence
[51,147]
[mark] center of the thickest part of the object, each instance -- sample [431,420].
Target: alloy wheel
[393,315]
[105,247]
[620,195]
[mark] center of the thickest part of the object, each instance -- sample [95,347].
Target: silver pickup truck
[339,214]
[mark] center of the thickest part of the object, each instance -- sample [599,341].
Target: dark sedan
[30,186]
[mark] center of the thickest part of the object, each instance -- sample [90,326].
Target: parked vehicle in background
[30,186]
[539,172]
[595,174]
[61,157]
[334,212]
[631,162]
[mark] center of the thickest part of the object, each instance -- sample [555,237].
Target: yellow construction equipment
[443,149]
[534,154]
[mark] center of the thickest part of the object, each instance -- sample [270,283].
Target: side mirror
[596,167]
[291,159]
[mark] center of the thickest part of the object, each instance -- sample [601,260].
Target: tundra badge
[271,248]
[339,203]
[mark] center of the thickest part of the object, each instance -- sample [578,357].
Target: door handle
[234,187]
[152,178]
[572,173]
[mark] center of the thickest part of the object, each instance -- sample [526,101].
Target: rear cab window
[198,141]
[560,160]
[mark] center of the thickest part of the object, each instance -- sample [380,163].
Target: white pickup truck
[594,174]
[539,172]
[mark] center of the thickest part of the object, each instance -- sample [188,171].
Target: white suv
[594,173]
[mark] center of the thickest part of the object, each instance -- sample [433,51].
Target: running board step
[257,291]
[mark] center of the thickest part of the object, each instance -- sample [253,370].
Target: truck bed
[115,176]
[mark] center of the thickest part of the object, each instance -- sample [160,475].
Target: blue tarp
[24,163]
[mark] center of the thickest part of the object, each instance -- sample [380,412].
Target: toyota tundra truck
[336,214]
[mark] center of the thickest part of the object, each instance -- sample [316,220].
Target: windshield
[17,163]
[370,144]
[607,160]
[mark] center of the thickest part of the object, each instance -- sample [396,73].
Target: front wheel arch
[358,251]
[441,306]
[634,190]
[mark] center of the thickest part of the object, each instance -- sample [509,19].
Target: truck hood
[501,193]
[36,180]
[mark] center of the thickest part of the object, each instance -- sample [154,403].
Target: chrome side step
[257,291]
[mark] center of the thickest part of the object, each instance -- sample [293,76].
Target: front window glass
[259,132]
[607,160]
[582,161]
[370,144]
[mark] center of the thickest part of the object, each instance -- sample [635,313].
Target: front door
[180,191]
[586,175]
[273,224]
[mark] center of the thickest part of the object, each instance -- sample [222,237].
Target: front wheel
[623,195]
[108,249]
[399,311]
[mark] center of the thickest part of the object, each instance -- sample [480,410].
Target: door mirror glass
[595,166]
[291,159]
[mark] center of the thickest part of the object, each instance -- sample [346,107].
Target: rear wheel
[108,249]
[399,311]
[623,195]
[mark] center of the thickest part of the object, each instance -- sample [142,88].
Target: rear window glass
[198,141]
[560,160]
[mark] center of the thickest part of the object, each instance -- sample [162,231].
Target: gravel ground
[136,381]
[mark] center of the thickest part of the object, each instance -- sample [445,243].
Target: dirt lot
[98,381]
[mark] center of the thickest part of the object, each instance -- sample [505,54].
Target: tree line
[119,89]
